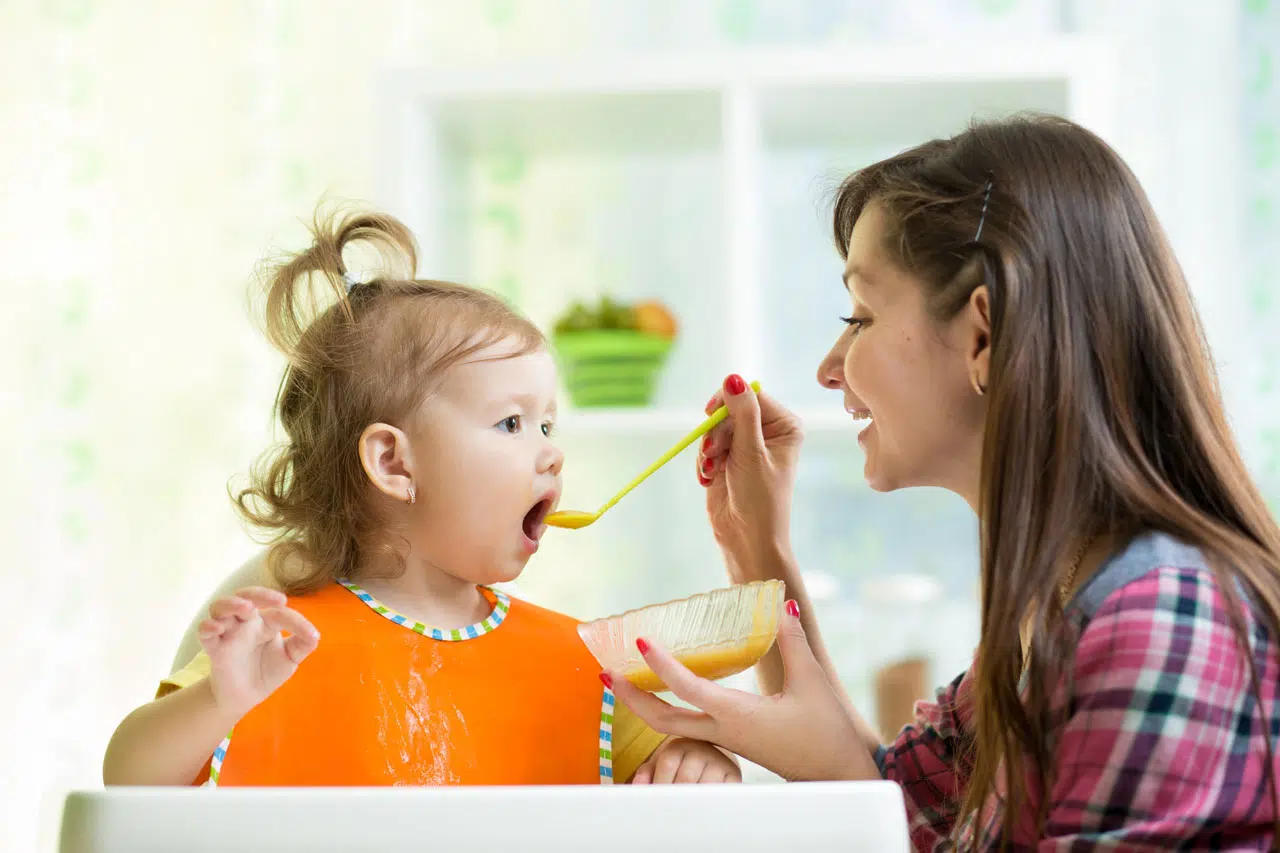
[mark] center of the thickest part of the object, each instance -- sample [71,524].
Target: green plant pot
[611,367]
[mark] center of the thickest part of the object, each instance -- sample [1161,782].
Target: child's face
[487,471]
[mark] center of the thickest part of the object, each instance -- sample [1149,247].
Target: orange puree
[570,519]
[709,663]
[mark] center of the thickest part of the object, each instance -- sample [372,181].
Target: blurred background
[673,157]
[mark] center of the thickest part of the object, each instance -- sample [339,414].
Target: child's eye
[548,428]
[511,424]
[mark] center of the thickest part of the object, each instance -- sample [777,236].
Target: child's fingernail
[708,466]
[642,645]
[606,679]
[735,385]
[793,609]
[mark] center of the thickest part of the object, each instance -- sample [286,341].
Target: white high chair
[252,573]
[853,817]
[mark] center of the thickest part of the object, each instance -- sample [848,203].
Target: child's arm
[168,741]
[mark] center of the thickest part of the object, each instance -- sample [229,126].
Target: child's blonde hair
[373,355]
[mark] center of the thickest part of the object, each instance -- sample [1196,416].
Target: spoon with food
[573,519]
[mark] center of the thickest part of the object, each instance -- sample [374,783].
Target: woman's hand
[801,733]
[681,761]
[249,656]
[748,465]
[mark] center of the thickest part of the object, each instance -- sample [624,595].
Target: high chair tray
[847,816]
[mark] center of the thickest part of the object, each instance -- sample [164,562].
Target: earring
[413,496]
[979,387]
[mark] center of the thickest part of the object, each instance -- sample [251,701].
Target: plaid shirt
[1163,745]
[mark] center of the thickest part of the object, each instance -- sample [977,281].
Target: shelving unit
[702,181]
[727,155]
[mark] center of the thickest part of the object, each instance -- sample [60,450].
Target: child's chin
[502,574]
[505,577]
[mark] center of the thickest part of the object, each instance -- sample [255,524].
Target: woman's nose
[831,368]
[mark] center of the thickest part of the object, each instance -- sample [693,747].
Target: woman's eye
[855,323]
[511,424]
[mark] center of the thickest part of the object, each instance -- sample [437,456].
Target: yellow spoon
[573,519]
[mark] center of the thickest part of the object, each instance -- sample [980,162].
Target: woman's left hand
[680,761]
[802,734]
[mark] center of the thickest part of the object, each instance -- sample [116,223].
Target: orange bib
[383,700]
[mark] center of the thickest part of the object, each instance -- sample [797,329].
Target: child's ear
[388,461]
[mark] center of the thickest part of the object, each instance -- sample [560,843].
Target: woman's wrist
[769,558]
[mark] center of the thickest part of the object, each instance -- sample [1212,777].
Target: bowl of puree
[715,634]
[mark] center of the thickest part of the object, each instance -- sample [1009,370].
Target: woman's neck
[1095,554]
[428,594]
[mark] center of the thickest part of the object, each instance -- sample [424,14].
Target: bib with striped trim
[385,700]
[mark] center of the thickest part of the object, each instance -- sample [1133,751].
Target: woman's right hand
[748,466]
[249,656]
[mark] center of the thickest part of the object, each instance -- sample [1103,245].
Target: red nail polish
[707,467]
[642,645]
[793,608]
[606,679]
[704,481]
[711,405]
[706,443]
[735,385]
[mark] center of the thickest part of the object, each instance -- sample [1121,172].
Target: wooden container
[898,687]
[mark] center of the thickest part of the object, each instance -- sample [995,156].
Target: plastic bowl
[716,634]
[611,367]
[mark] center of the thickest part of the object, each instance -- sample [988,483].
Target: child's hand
[249,658]
[683,761]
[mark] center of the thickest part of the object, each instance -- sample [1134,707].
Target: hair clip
[986,197]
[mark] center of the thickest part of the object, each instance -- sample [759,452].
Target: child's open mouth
[534,524]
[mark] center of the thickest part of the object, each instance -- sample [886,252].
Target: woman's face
[910,377]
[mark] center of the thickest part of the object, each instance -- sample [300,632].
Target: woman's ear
[388,461]
[977,319]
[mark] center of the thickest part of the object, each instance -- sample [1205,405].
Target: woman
[1022,335]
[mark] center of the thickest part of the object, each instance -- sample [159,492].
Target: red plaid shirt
[1164,742]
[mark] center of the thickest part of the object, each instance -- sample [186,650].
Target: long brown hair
[362,354]
[1104,413]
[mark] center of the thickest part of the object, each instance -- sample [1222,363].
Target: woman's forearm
[168,741]
[779,564]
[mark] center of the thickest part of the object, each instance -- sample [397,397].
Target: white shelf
[642,421]
[914,62]
[578,121]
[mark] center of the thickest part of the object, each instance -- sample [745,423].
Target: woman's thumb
[798,662]
[744,408]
